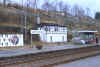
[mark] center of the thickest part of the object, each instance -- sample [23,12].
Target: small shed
[87,35]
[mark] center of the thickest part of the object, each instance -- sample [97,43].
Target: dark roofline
[49,24]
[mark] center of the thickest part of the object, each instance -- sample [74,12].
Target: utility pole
[37,14]
[37,19]
[22,3]
[56,13]
[4,3]
[25,20]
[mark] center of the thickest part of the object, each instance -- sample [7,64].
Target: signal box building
[52,32]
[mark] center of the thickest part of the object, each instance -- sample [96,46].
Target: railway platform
[46,48]
[48,56]
[87,62]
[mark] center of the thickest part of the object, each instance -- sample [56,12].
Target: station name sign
[36,31]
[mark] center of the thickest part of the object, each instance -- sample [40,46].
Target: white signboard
[11,40]
[36,31]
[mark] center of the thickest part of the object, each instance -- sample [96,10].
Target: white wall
[54,36]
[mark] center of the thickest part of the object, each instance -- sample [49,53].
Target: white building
[52,32]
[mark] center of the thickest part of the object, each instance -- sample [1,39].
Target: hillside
[12,17]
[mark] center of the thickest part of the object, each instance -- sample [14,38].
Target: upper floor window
[46,28]
[52,28]
[56,28]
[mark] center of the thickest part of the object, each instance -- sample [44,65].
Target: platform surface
[88,62]
[21,51]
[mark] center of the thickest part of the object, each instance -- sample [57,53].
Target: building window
[64,29]
[51,38]
[56,28]
[46,29]
[63,38]
[52,28]
[60,28]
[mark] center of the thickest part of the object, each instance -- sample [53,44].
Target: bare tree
[34,3]
[78,11]
[60,6]
[49,6]
[75,10]
[66,9]
[46,5]
[88,12]
[81,12]
[63,7]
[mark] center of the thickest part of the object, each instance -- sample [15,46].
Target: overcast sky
[94,5]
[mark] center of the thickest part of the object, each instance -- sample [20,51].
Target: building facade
[52,32]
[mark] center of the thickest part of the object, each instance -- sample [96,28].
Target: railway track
[50,58]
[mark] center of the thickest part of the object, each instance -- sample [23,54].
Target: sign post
[36,31]
[31,39]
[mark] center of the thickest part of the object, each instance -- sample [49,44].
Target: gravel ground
[89,62]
